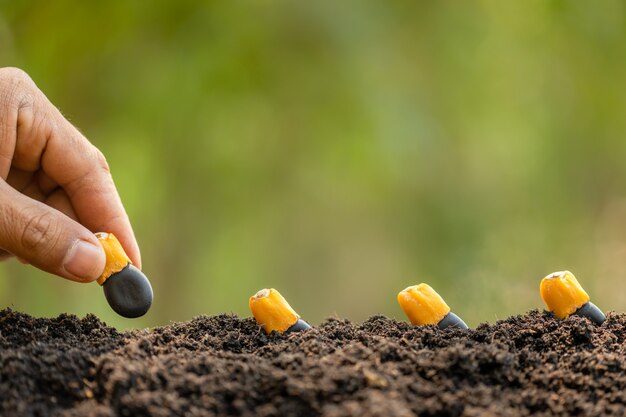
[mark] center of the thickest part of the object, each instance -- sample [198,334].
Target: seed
[273,313]
[564,296]
[126,288]
[423,306]
[128,292]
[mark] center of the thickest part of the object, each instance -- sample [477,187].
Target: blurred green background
[341,151]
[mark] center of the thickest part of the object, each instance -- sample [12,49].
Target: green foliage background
[341,151]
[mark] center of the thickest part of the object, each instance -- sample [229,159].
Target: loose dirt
[224,365]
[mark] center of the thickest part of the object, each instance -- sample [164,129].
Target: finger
[48,239]
[46,139]
[11,81]
[60,201]
[93,195]
[83,172]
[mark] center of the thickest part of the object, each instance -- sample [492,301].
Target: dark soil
[525,365]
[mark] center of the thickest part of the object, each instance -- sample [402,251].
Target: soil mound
[223,365]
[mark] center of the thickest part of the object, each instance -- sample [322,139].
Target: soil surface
[224,365]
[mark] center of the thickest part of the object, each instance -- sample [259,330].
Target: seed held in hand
[564,296]
[272,312]
[423,306]
[126,288]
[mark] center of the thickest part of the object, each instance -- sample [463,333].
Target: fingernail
[85,260]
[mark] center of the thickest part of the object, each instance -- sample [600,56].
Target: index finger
[82,171]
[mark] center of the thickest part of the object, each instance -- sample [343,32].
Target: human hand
[55,187]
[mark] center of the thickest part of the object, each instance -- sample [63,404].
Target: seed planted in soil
[424,306]
[273,313]
[564,296]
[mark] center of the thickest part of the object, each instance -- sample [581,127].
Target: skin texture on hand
[55,187]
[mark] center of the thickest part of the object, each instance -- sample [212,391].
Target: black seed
[592,312]
[452,319]
[298,326]
[128,292]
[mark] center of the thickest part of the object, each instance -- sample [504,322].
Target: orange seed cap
[116,257]
[422,305]
[562,293]
[272,311]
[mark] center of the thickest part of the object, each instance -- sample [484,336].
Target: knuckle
[101,161]
[14,74]
[15,77]
[40,233]
[15,86]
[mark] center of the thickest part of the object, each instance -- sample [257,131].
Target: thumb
[47,238]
